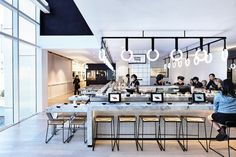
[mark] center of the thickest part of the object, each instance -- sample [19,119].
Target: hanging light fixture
[126,50]
[101,54]
[174,64]
[168,65]
[177,51]
[165,65]
[209,55]
[201,50]
[180,63]
[196,61]
[225,53]
[187,60]
[232,66]
[152,50]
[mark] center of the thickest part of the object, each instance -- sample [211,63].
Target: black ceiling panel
[64,19]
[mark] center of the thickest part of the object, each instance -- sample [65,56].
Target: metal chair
[132,119]
[107,120]
[75,123]
[228,125]
[54,122]
[177,121]
[150,119]
[196,120]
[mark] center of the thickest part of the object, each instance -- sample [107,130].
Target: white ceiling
[157,18]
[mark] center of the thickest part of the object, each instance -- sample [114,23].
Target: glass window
[6,91]
[9,1]
[26,30]
[28,7]
[27,82]
[5,20]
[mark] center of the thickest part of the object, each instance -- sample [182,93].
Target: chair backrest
[49,115]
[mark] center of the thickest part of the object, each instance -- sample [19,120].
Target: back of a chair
[230,123]
[49,115]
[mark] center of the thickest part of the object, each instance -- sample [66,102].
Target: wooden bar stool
[177,121]
[55,123]
[150,119]
[107,120]
[196,120]
[228,125]
[132,119]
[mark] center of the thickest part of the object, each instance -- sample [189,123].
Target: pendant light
[232,66]
[165,65]
[201,50]
[180,63]
[209,55]
[196,61]
[187,60]
[177,51]
[168,65]
[174,64]
[225,53]
[101,54]
[152,50]
[126,50]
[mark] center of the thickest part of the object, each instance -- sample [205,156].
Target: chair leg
[94,141]
[111,136]
[135,135]
[46,139]
[164,148]
[118,135]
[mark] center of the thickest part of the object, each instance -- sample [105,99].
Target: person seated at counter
[180,81]
[204,83]
[218,83]
[211,84]
[196,82]
[190,82]
[225,109]
[134,82]
[159,80]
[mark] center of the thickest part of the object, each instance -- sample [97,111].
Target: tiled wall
[142,71]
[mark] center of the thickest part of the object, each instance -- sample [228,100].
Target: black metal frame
[134,134]
[228,141]
[157,135]
[182,146]
[112,133]
[198,132]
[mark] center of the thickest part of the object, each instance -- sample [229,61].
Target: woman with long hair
[225,108]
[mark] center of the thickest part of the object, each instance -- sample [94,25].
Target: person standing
[134,83]
[196,82]
[76,83]
[180,80]
[225,109]
[159,80]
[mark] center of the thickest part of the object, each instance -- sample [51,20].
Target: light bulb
[187,62]
[101,54]
[196,61]
[168,66]
[165,66]
[152,59]
[224,55]
[173,64]
[204,53]
[233,66]
[177,52]
[126,59]
[209,58]
[180,63]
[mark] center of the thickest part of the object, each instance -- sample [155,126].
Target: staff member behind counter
[134,83]
[196,82]
[180,80]
[211,84]
[160,80]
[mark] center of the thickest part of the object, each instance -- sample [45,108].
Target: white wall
[202,70]
[59,75]
[121,69]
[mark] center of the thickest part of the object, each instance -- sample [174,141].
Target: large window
[5,20]
[6,102]
[18,63]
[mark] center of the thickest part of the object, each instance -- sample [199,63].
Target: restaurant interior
[112,78]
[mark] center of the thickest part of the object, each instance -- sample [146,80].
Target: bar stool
[196,120]
[107,120]
[150,119]
[54,122]
[126,119]
[178,121]
[65,116]
[75,123]
[228,125]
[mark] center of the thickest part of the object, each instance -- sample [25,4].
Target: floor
[27,140]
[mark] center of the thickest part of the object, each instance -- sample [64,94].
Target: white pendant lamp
[174,64]
[152,50]
[187,60]
[126,50]
[180,63]
[176,51]
[168,66]
[209,56]
[225,53]
[101,54]
[201,51]
[196,61]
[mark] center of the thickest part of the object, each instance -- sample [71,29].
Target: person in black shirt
[211,84]
[134,82]
[159,80]
[180,81]
[76,84]
[196,82]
